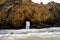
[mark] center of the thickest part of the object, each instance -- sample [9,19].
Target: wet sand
[39,38]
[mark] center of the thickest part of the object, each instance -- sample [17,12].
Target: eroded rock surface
[13,13]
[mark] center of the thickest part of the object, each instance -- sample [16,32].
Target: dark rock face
[14,13]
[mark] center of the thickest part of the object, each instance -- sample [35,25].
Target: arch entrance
[27,23]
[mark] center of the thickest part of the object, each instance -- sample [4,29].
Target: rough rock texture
[14,13]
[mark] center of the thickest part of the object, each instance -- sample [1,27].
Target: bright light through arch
[27,24]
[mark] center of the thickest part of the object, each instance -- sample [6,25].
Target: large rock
[14,12]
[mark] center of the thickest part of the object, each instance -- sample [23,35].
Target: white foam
[25,33]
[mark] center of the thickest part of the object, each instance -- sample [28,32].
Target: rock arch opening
[27,23]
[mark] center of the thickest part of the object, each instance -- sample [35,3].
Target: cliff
[14,13]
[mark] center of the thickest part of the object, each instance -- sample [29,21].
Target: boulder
[14,12]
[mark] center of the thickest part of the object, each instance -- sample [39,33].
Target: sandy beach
[39,38]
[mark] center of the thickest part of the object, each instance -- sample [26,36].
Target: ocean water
[53,32]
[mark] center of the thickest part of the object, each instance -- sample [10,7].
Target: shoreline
[31,34]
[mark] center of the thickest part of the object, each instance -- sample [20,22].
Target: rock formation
[13,14]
